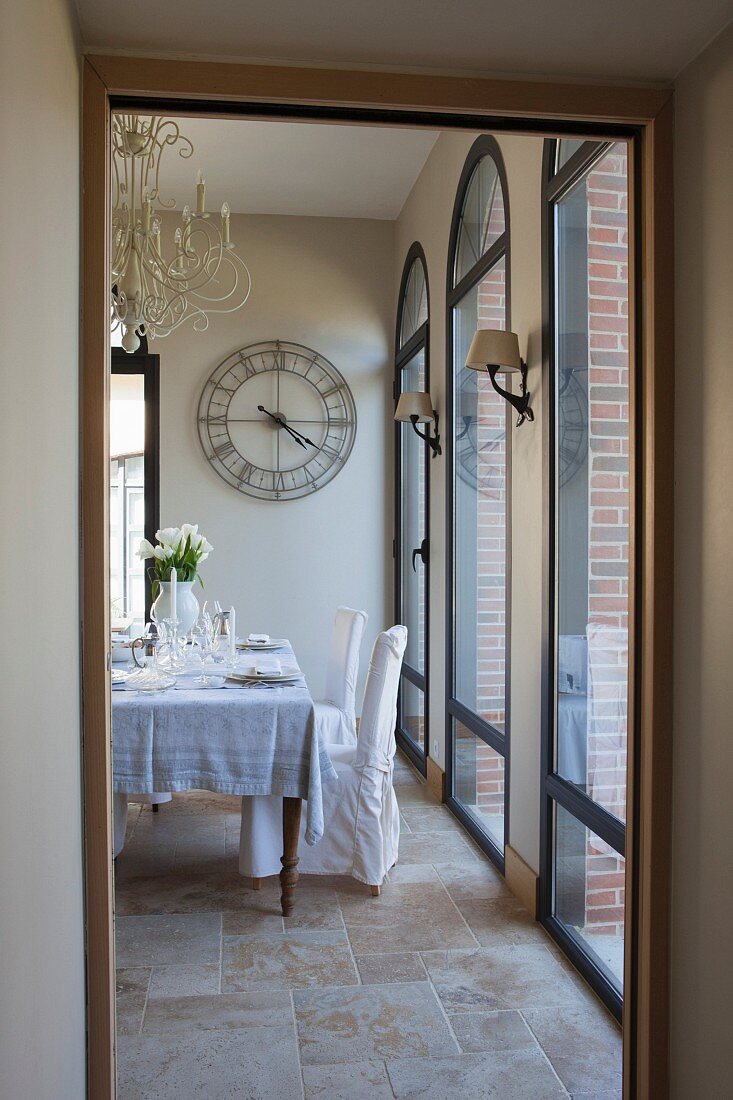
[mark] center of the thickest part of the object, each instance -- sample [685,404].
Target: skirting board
[436,779]
[521,880]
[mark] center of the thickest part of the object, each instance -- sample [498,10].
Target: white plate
[119,675]
[265,678]
[274,643]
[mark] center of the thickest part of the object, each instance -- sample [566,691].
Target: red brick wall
[608,476]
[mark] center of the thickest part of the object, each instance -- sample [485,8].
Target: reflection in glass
[412,712]
[414,302]
[566,147]
[592,480]
[412,522]
[480,518]
[589,892]
[482,219]
[478,782]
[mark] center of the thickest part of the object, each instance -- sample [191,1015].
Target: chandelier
[156,289]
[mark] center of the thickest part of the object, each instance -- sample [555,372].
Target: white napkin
[268,666]
[261,638]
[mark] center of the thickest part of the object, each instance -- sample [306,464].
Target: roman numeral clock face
[276,420]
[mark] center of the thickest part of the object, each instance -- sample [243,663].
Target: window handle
[422,553]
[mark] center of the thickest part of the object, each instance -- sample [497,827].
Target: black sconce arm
[520,401]
[432,440]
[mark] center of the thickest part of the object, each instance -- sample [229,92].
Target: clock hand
[305,438]
[281,424]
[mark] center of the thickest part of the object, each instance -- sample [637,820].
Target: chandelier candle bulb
[200,193]
[225,223]
[148,207]
[174,595]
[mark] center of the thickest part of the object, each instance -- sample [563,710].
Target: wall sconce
[497,350]
[417,408]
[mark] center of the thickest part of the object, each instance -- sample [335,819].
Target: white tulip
[169,536]
[163,553]
[189,529]
[145,550]
[205,546]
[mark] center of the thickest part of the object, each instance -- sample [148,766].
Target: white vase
[187,608]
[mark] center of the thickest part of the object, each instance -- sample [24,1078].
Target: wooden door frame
[440,102]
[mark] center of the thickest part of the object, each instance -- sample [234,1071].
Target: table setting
[198,708]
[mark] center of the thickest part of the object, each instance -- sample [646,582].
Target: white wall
[702,944]
[426,217]
[41,915]
[286,566]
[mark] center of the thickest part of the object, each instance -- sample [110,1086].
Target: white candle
[225,223]
[148,211]
[174,596]
[232,636]
[200,193]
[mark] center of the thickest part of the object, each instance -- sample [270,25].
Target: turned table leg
[289,858]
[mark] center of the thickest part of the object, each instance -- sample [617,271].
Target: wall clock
[479,450]
[277,420]
[572,425]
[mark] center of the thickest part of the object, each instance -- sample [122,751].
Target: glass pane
[480,517]
[127,502]
[593,501]
[414,303]
[412,712]
[412,523]
[566,147]
[589,891]
[478,781]
[482,219]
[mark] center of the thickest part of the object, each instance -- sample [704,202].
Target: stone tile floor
[442,987]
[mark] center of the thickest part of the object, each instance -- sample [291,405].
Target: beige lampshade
[496,348]
[417,404]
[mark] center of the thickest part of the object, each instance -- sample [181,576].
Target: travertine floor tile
[487,1031]
[510,976]
[378,1021]
[250,1063]
[583,1046]
[441,848]
[502,1075]
[381,969]
[500,920]
[287,961]
[222,1011]
[480,881]
[359,1081]
[131,988]
[404,915]
[184,980]
[207,892]
[175,938]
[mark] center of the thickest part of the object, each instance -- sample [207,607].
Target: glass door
[479,486]
[588,685]
[412,543]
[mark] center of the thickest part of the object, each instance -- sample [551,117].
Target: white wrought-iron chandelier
[152,295]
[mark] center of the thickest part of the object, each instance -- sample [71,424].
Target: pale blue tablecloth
[234,740]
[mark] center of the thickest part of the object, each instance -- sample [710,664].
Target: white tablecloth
[233,740]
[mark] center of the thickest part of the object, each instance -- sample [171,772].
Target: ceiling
[645,40]
[311,169]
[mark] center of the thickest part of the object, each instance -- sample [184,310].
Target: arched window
[587,694]
[478,505]
[412,372]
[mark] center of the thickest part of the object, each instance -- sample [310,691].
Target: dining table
[238,737]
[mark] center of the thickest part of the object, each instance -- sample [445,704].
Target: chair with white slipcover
[336,714]
[361,816]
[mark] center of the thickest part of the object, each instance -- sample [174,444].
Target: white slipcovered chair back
[343,659]
[376,743]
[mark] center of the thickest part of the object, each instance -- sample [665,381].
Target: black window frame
[554,789]
[455,711]
[404,354]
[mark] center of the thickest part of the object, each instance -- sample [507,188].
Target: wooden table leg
[289,858]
